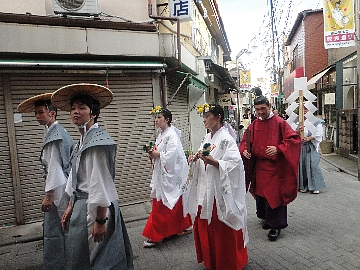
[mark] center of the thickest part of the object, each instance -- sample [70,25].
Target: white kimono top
[317,136]
[226,184]
[94,178]
[55,179]
[170,169]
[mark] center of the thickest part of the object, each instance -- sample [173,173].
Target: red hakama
[217,245]
[164,222]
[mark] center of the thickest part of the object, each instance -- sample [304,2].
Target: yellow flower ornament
[157,109]
[201,109]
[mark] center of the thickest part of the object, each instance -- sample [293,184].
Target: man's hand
[46,204]
[99,232]
[271,150]
[66,216]
[307,139]
[299,130]
[247,154]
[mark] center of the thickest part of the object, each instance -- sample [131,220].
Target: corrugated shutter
[127,119]
[179,105]
[7,201]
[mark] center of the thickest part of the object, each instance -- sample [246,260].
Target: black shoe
[266,226]
[274,234]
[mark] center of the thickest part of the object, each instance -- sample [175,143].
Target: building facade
[145,56]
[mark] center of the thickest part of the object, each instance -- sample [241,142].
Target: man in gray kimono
[55,158]
[96,235]
[310,175]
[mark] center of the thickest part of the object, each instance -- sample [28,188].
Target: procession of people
[203,193]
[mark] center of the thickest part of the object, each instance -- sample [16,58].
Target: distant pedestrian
[170,173]
[246,121]
[310,175]
[55,158]
[96,234]
[217,196]
[271,152]
[285,116]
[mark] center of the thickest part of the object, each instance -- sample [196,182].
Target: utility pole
[273,38]
[357,24]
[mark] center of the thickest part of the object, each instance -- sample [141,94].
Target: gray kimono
[115,251]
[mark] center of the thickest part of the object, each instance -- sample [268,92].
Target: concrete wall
[134,10]
[338,54]
[22,38]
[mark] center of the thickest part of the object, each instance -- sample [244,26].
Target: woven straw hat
[62,97]
[28,106]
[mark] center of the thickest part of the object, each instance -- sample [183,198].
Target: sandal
[149,244]
[186,231]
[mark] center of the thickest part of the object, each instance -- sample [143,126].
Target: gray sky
[243,18]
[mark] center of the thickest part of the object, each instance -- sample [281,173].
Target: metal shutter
[179,106]
[127,119]
[7,200]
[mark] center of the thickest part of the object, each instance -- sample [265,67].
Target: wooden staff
[301,113]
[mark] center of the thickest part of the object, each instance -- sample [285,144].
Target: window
[295,59]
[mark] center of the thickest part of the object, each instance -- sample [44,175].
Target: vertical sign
[274,90]
[339,26]
[245,79]
[181,9]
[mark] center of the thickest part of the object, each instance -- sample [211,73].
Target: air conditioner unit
[77,7]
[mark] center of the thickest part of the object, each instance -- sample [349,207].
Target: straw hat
[62,97]
[28,106]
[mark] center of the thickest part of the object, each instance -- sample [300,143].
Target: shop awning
[66,64]
[198,83]
[195,81]
[313,80]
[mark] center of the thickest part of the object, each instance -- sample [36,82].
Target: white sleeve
[55,179]
[101,185]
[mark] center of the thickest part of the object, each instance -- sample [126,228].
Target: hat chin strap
[84,125]
[46,128]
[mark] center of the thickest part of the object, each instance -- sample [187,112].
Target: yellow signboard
[274,90]
[245,79]
[339,26]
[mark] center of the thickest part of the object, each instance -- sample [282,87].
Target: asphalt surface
[322,234]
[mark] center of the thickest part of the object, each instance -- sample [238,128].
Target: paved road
[323,233]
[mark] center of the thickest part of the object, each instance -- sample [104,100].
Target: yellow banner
[274,90]
[245,79]
[339,26]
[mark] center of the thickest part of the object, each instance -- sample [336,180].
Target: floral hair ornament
[201,109]
[157,109]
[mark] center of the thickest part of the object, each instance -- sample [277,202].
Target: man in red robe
[270,149]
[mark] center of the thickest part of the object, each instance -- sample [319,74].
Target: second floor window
[295,59]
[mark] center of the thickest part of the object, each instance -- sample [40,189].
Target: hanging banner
[274,90]
[181,9]
[339,26]
[245,79]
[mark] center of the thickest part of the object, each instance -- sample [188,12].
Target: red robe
[275,177]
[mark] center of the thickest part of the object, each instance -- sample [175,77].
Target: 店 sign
[181,9]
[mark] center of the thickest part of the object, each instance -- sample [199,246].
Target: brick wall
[316,56]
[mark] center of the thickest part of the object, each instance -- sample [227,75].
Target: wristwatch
[101,221]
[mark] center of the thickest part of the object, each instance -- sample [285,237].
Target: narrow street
[322,234]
